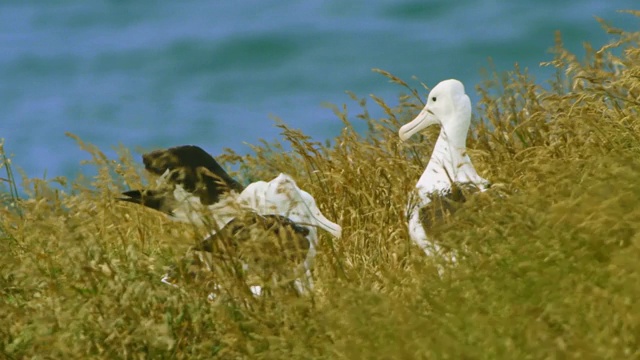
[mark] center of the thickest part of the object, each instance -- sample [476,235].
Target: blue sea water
[150,74]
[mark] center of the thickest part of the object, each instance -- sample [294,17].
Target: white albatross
[449,175]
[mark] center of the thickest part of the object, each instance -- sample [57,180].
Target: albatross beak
[425,119]
[325,224]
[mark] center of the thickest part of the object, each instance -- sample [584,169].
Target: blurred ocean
[150,74]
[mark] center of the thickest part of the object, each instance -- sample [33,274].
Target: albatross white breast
[450,175]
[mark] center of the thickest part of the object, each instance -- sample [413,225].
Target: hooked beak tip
[338,233]
[403,135]
[332,228]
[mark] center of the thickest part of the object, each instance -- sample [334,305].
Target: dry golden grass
[549,271]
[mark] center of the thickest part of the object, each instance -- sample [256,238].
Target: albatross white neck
[449,161]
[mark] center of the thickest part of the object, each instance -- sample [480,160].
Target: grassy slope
[550,270]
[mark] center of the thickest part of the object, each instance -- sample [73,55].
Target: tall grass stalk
[12,199]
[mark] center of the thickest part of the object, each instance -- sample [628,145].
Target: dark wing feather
[260,238]
[272,246]
[194,169]
[161,200]
[190,167]
[444,204]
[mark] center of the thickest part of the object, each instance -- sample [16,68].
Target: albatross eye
[434,99]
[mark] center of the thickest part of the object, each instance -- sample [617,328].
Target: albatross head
[283,197]
[448,106]
[300,206]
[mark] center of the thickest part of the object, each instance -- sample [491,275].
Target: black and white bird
[192,186]
[268,217]
[450,176]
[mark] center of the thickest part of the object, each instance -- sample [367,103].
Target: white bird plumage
[194,188]
[449,107]
[282,196]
